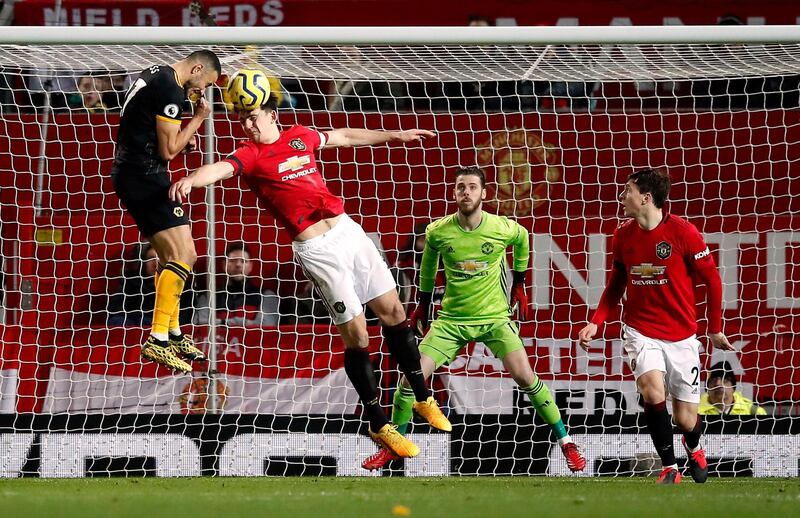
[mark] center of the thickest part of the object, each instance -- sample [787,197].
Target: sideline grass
[377,497]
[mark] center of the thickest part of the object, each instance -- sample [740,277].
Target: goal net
[556,118]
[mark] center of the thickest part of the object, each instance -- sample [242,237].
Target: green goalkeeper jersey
[474,266]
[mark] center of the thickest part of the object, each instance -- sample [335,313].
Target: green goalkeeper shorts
[446,339]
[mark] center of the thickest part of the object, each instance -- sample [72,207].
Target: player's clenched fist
[202,108]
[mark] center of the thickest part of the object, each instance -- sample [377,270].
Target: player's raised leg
[362,375]
[402,345]
[517,364]
[441,345]
[402,412]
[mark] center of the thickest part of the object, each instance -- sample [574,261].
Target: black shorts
[146,197]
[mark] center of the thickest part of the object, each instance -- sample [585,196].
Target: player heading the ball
[656,257]
[334,252]
[150,135]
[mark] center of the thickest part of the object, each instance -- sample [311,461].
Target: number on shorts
[696,372]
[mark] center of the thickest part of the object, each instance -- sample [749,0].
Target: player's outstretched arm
[172,139]
[349,137]
[206,175]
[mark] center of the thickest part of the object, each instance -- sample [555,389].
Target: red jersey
[657,269]
[285,177]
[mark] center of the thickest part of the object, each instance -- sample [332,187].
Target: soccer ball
[248,89]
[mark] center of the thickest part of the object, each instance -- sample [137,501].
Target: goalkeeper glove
[519,300]
[419,317]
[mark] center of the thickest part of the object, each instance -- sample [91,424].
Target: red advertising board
[406,12]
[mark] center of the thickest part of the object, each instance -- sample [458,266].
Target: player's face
[199,79]
[469,193]
[237,265]
[632,200]
[257,123]
[720,391]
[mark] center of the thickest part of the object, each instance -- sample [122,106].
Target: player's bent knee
[684,425]
[652,394]
[684,418]
[393,316]
[354,336]
[190,256]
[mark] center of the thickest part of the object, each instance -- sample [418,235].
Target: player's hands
[414,134]
[586,334]
[519,300]
[419,320]
[720,341]
[202,109]
[180,190]
[419,317]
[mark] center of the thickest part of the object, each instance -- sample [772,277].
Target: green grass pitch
[457,497]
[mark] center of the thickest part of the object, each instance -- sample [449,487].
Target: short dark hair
[724,371]
[207,58]
[656,182]
[473,171]
[237,246]
[271,104]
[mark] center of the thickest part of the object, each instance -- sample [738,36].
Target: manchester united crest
[663,250]
[298,144]
[525,169]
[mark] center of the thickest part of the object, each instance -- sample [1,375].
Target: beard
[469,209]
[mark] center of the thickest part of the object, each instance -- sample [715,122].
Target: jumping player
[150,135]
[333,250]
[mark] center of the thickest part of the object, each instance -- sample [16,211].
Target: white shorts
[345,267]
[679,361]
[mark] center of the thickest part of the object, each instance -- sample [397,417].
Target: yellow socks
[169,286]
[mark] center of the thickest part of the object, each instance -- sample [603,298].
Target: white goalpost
[557,117]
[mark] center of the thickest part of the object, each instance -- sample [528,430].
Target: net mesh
[557,129]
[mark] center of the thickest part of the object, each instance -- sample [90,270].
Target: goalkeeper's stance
[472,245]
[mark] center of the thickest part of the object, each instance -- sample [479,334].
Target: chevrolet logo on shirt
[471,265]
[294,163]
[647,270]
